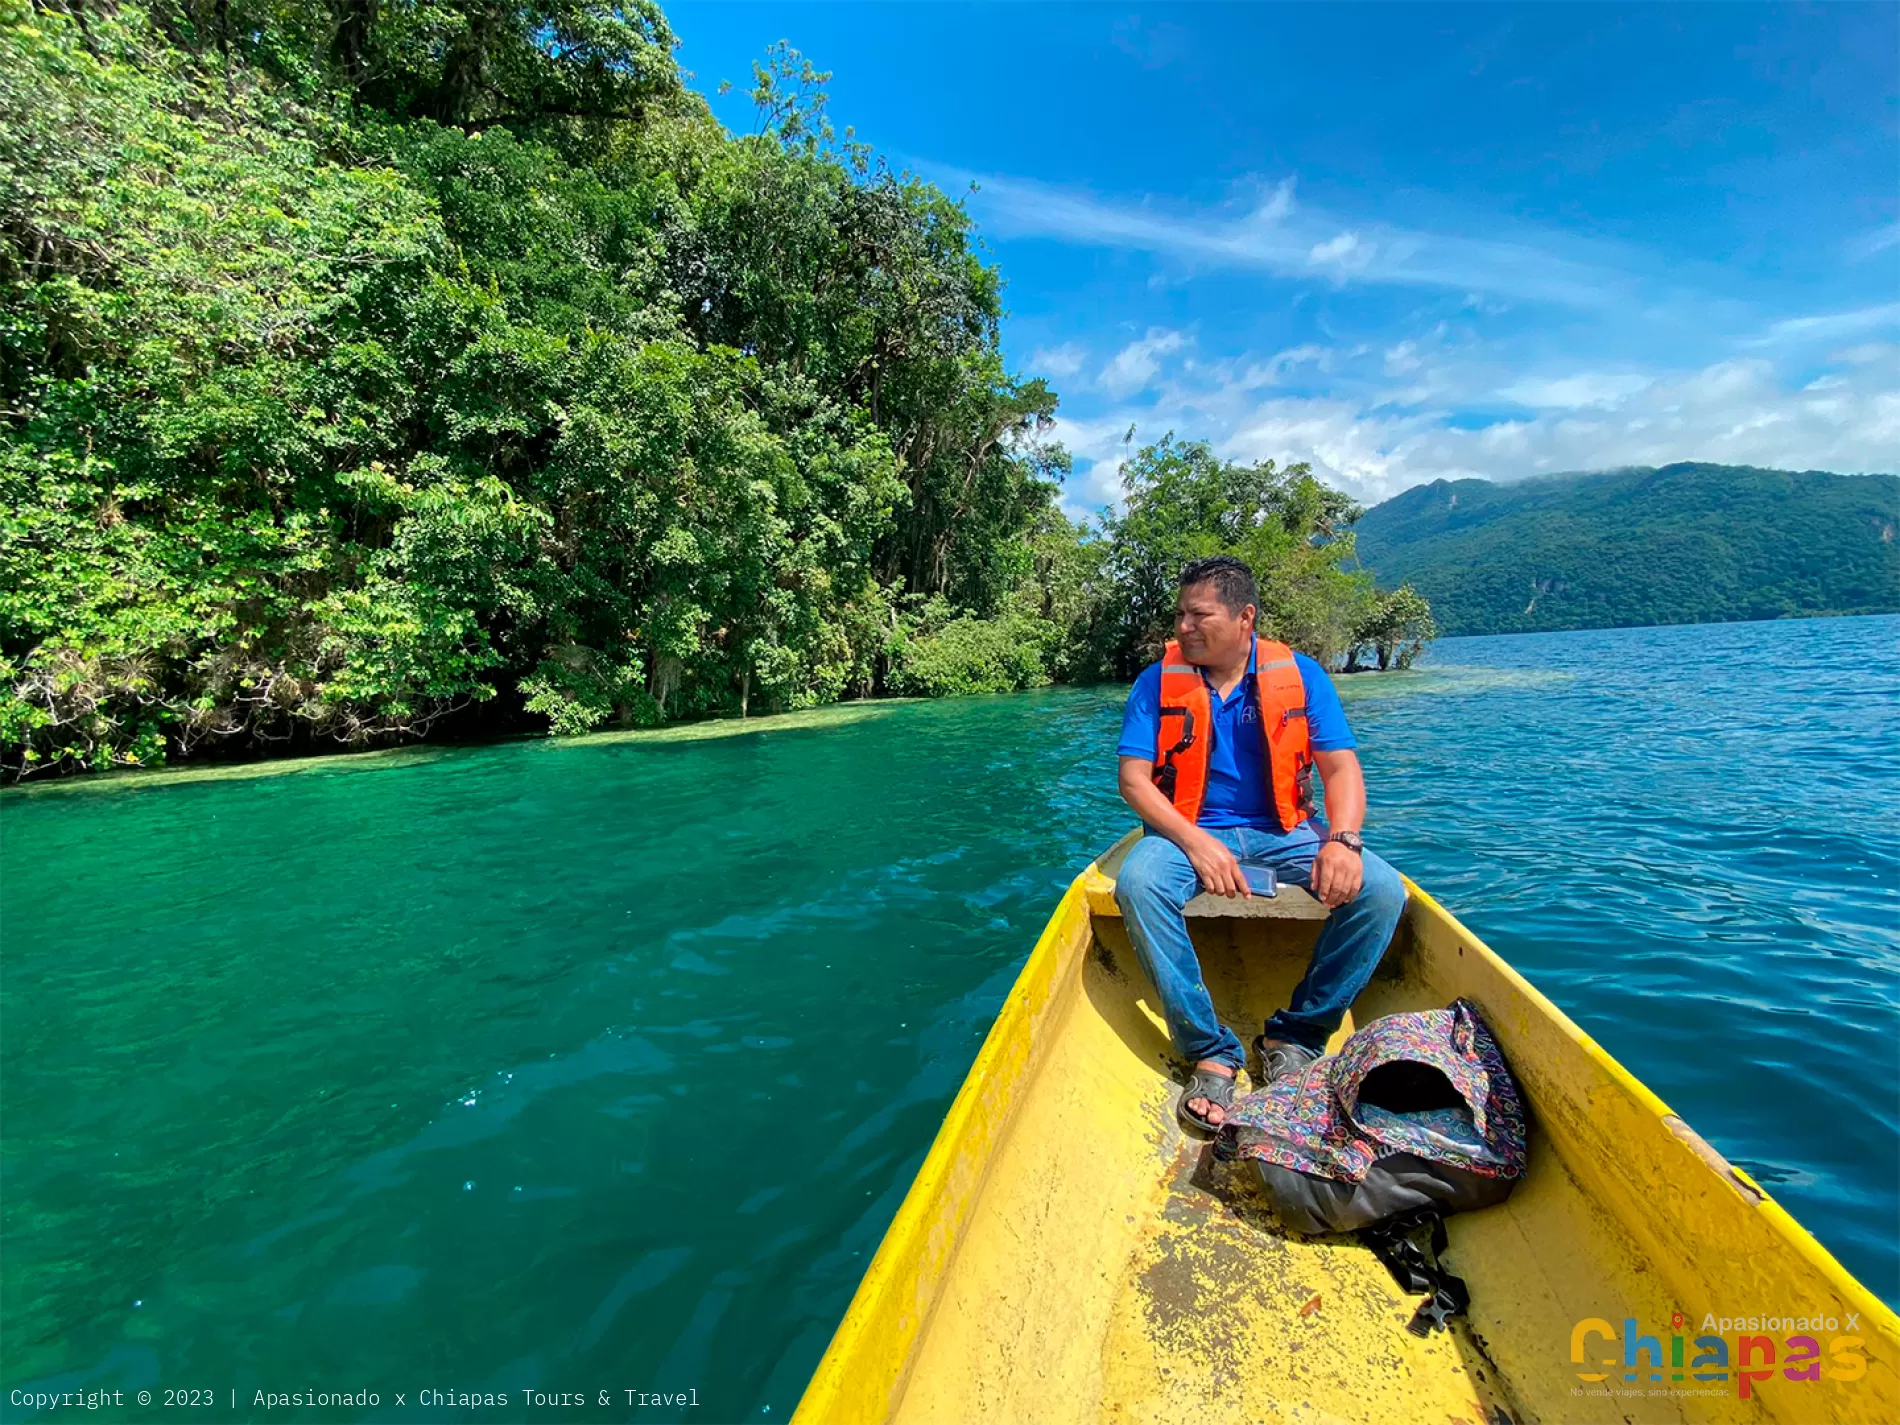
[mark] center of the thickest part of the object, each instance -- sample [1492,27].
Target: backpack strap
[1394,1242]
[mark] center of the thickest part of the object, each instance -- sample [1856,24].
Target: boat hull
[1067,1254]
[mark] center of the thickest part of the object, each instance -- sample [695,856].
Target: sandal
[1281,1057]
[1215,1088]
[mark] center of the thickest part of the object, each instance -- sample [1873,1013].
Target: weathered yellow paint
[1067,1254]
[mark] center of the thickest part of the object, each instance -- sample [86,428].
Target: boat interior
[1070,1253]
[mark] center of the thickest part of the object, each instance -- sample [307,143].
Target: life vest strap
[1166,776]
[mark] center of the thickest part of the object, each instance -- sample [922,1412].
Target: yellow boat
[1067,1254]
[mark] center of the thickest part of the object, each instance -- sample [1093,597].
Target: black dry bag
[1415,1118]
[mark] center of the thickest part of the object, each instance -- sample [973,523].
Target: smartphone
[1262,880]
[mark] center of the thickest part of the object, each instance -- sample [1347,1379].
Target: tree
[1396,625]
[367,368]
[1184,503]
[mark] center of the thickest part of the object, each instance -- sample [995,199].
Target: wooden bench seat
[1291,903]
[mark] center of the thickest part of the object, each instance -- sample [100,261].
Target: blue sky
[1405,242]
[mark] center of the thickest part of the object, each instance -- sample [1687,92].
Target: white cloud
[1135,365]
[1590,388]
[1878,240]
[1264,206]
[1402,358]
[1867,351]
[1278,205]
[1279,236]
[1829,326]
[1059,363]
[1098,446]
[1733,412]
[1282,362]
[1343,251]
[1252,375]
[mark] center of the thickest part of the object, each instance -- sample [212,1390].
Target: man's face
[1208,631]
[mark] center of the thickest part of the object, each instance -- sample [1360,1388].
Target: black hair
[1232,580]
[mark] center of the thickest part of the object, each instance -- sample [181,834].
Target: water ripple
[573,1065]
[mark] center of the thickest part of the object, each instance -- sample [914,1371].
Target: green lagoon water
[601,1066]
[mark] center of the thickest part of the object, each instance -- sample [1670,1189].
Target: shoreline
[1804,617]
[829,715]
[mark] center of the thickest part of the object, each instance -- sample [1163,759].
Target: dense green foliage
[1684,544]
[1395,627]
[371,368]
[1182,503]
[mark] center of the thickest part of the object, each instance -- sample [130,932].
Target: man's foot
[1280,1057]
[1209,1092]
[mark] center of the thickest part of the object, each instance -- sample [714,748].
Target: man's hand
[1208,855]
[1337,874]
[1216,866]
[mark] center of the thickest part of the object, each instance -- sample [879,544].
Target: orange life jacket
[1186,727]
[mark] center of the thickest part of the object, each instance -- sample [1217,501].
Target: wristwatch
[1351,840]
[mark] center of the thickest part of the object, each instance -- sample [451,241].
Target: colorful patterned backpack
[1416,1117]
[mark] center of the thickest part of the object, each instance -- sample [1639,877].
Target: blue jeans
[1157,880]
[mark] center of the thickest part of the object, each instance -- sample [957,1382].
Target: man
[1216,747]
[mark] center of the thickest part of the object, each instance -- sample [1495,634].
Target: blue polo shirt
[1237,791]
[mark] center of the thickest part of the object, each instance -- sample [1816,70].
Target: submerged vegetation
[375,369]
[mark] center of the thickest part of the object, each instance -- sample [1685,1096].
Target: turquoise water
[601,1066]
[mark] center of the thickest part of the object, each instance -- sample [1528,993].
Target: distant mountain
[1683,544]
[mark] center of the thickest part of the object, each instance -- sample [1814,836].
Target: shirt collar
[1253,666]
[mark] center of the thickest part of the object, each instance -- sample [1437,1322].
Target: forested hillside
[377,370]
[1682,544]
